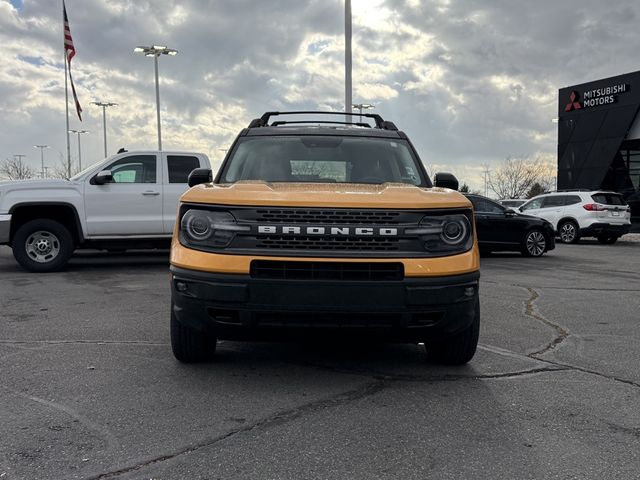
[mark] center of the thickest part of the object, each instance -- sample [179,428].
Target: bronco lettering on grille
[333,231]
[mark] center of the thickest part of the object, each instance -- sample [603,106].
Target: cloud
[470,82]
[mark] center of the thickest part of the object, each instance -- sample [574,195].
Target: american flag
[70,52]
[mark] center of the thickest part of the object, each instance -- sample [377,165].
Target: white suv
[582,213]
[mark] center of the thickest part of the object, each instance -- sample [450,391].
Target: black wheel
[535,244]
[607,239]
[42,245]
[188,345]
[569,232]
[460,348]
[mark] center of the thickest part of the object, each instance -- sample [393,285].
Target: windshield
[322,159]
[82,172]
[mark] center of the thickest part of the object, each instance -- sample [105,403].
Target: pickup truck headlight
[208,229]
[444,233]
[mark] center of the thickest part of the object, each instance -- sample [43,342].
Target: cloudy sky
[470,82]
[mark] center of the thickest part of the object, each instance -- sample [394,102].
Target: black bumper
[596,229]
[238,307]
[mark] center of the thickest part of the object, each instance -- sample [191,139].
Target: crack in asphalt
[547,287]
[105,433]
[531,310]
[277,418]
[381,382]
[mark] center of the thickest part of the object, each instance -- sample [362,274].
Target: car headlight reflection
[204,228]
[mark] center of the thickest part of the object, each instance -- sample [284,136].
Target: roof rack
[282,122]
[263,121]
[569,190]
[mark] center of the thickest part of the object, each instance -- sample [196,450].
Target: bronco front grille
[275,242]
[328,217]
[348,271]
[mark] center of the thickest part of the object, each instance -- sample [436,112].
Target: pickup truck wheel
[188,345]
[460,348]
[42,245]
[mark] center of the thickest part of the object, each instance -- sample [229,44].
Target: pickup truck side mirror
[103,177]
[445,180]
[198,176]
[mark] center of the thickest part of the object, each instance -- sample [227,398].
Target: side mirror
[198,176]
[445,180]
[103,177]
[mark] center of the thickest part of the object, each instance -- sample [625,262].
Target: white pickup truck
[129,200]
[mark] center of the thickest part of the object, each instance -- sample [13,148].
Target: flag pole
[66,95]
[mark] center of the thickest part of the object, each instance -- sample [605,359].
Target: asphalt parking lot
[89,388]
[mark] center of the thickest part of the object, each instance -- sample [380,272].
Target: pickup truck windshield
[322,159]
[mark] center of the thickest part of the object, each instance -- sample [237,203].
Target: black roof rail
[263,121]
[283,122]
[569,190]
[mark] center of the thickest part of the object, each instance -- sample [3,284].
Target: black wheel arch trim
[76,216]
[566,219]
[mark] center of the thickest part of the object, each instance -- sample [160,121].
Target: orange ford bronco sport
[324,228]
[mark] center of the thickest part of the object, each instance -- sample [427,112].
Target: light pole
[79,132]
[155,51]
[347,56]
[104,106]
[361,106]
[41,147]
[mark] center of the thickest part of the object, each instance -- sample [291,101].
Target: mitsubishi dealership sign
[595,97]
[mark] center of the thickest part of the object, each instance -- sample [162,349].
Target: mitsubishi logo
[573,104]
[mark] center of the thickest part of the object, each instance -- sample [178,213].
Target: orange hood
[387,195]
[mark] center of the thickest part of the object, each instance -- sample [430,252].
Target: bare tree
[59,170]
[515,177]
[16,169]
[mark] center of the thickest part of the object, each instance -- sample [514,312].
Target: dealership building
[599,138]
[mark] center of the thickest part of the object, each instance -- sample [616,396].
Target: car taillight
[593,207]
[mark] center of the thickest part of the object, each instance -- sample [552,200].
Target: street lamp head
[104,104]
[78,131]
[363,105]
[156,50]
[41,146]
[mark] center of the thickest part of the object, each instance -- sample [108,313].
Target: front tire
[188,345]
[460,348]
[535,244]
[569,232]
[42,245]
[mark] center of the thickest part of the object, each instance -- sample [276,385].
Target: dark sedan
[502,229]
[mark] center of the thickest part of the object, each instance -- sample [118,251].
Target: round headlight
[454,231]
[197,226]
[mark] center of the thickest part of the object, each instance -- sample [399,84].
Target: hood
[8,185]
[342,195]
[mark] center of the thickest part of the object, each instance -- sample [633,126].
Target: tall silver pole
[104,126]
[42,159]
[155,60]
[79,154]
[347,56]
